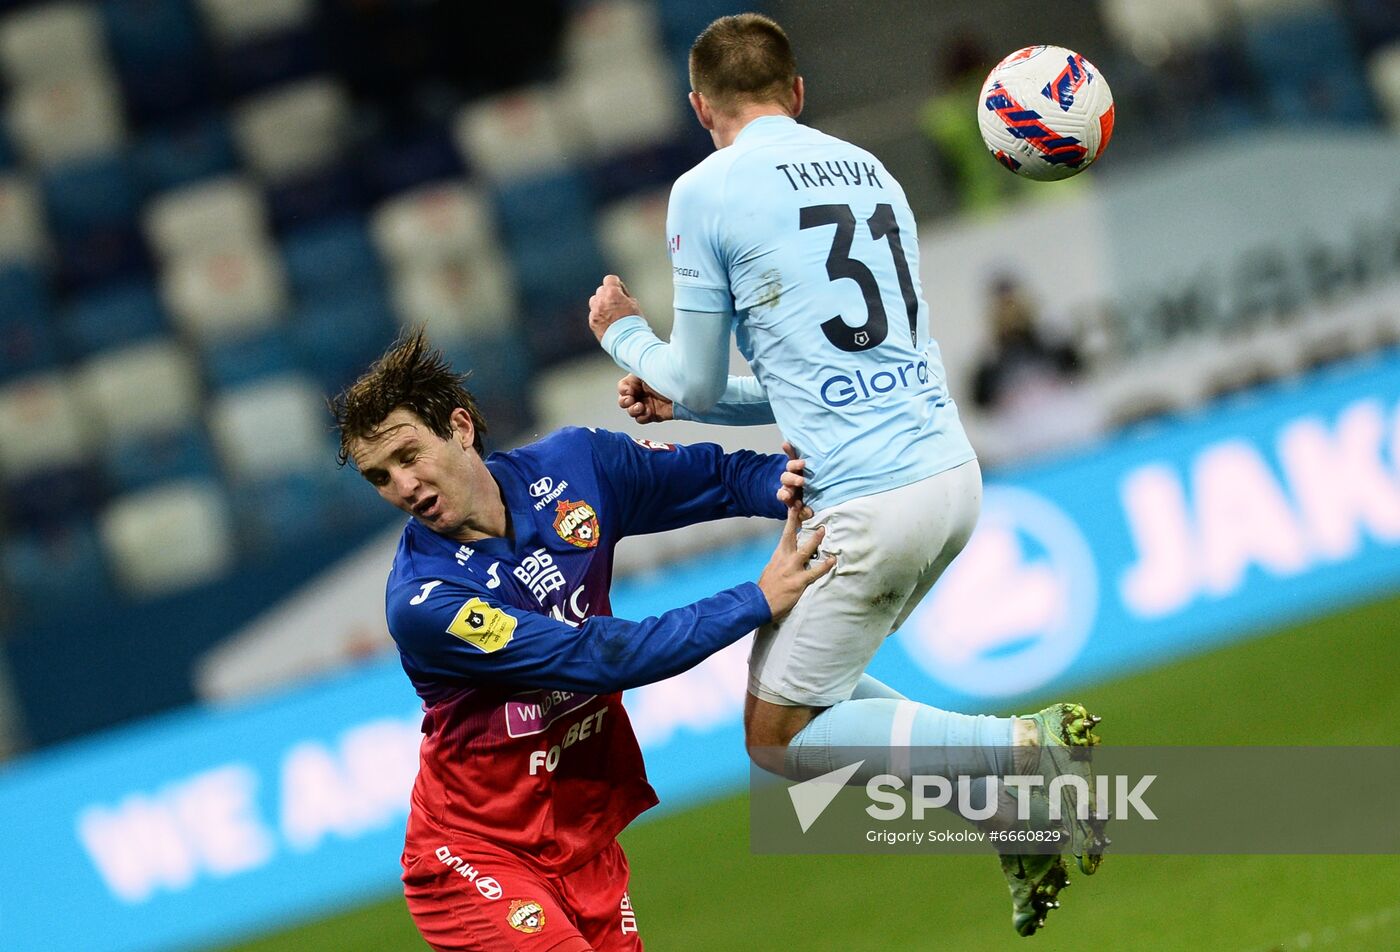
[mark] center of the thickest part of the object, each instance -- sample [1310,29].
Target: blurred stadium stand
[215,212]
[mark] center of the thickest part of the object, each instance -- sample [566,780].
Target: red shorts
[468,897]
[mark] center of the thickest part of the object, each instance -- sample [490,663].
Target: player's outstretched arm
[691,369]
[660,486]
[450,630]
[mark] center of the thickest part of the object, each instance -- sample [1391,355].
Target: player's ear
[702,111]
[463,428]
[799,96]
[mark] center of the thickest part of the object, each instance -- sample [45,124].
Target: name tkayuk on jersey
[802,175]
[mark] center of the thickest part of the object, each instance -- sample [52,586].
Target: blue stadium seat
[24,294]
[500,368]
[141,461]
[184,152]
[332,259]
[25,347]
[48,495]
[557,264]
[397,163]
[548,225]
[308,199]
[1310,69]
[651,167]
[92,205]
[90,193]
[279,512]
[236,362]
[159,55]
[46,567]
[8,157]
[1377,22]
[683,20]
[112,315]
[268,60]
[338,338]
[27,338]
[538,208]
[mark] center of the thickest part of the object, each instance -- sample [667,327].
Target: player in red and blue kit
[498,603]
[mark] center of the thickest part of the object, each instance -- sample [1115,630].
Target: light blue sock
[901,737]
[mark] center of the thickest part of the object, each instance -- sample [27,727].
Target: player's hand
[642,403]
[610,304]
[792,569]
[794,481]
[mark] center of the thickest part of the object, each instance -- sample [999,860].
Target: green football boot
[1066,741]
[1035,881]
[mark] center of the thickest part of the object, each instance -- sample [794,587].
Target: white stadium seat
[1273,9]
[600,36]
[519,134]
[220,295]
[168,537]
[235,21]
[51,41]
[294,129]
[207,216]
[277,425]
[40,426]
[68,117]
[446,221]
[1384,70]
[1151,27]
[475,296]
[633,231]
[143,390]
[633,234]
[655,295]
[633,105]
[22,233]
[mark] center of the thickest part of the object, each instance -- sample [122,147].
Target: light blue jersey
[810,244]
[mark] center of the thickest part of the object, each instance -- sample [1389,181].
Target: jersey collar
[763,124]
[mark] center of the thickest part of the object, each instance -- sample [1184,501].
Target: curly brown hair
[411,374]
[742,58]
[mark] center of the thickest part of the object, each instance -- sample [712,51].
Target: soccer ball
[1045,112]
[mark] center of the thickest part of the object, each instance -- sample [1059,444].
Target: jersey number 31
[840,264]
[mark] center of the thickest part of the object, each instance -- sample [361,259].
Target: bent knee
[769,727]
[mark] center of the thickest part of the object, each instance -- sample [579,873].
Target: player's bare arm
[610,304]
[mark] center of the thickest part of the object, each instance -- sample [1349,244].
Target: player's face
[417,471]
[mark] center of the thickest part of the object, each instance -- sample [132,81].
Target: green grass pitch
[1329,682]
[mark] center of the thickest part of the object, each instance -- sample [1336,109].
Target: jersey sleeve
[695,227]
[660,486]
[691,369]
[743,403]
[450,630]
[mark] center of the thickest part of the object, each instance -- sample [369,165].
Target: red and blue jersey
[511,644]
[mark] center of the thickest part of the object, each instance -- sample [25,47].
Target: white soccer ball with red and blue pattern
[1046,113]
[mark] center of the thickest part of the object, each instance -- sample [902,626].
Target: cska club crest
[525,915]
[577,524]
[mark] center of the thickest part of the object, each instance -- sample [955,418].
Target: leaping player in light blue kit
[806,246]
